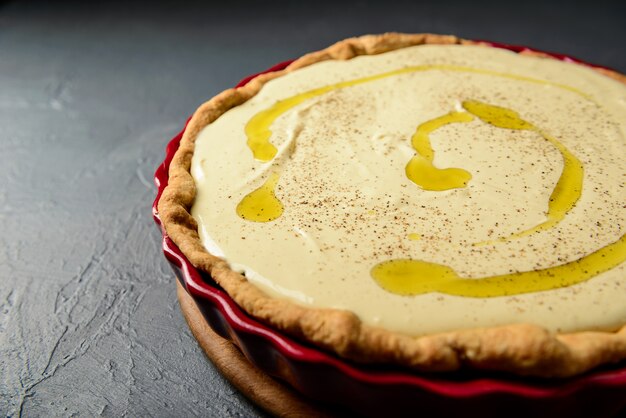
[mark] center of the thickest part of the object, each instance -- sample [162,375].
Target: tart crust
[522,349]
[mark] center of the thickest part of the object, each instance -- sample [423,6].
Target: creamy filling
[427,189]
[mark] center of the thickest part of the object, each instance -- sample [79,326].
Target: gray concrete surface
[90,93]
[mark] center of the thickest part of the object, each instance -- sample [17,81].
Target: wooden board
[266,392]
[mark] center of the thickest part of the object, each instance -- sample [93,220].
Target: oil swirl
[258,129]
[420,169]
[262,205]
[569,186]
[409,277]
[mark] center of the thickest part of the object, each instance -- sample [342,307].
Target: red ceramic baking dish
[387,391]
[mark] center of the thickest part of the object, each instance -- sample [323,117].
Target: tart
[419,200]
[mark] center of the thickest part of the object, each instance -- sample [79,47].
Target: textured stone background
[90,93]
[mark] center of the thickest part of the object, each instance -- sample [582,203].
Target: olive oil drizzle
[409,277]
[412,277]
[422,172]
[420,169]
[262,205]
[569,186]
[258,129]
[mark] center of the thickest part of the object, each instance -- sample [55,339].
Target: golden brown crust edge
[521,349]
